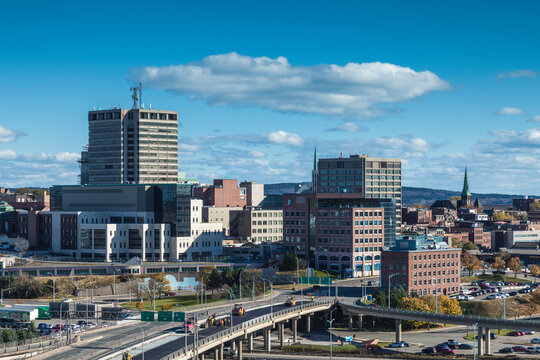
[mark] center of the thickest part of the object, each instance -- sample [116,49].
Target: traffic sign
[314,280]
[326,281]
[304,280]
[147,316]
[179,316]
[164,316]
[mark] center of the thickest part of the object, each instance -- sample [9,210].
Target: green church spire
[465,191]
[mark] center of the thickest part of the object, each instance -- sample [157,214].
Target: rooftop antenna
[136,96]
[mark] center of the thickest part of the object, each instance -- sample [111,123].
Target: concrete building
[220,215]
[254,193]
[300,213]
[377,178]
[223,193]
[258,224]
[205,241]
[132,146]
[425,265]
[523,204]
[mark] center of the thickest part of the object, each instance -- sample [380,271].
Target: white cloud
[347,127]
[67,157]
[283,137]
[7,135]
[536,118]
[7,154]
[516,74]
[256,154]
[355,90]
[510,111]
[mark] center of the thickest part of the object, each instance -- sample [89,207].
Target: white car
[228,351]
[535,341]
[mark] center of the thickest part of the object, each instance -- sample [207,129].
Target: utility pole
[474,340]
[389,279]
[330,322]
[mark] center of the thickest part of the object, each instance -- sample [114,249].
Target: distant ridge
[411,195]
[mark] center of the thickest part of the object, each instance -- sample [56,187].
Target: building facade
[131,146]
[377,178]
[222,193]
[258,224]
[425,265]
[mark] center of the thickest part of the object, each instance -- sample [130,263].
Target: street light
[142,345]
[230,297]
[54,286]
[271,295]
[330,322]
[389,278]
[240,282]
[436,295]
[474,340]
[185,329]
[326,272]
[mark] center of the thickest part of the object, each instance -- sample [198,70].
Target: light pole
[203,284]
[142,345]
[54,286]
[330,322]
[301,286]
[436,295]
[240,283]
[230,297]
[329,281]
[271,295]
[389,278]
[184,325]
[474,340]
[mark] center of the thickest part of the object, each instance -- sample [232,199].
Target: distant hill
[411,195]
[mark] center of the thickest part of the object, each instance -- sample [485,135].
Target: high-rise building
[132,146]
[377,178]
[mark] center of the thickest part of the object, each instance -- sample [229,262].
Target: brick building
[423,265]
[223,192]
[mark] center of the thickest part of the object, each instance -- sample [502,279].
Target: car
[238,310]
[429,350]
[447,351]
[42,326]
[533,349]
[529,332]
[465,346]
[398,344]
[535,341]
[229,351]
[439,347]
[506,350]
[514,333]
[513,293]
[519,348]
[291,301]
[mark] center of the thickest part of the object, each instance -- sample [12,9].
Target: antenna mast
[136,96]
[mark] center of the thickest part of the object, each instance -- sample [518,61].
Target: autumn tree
[414,304]
[139,305]
[449,306]
[535,205]
[534,269]
[499,264]
[204,274]
[515,265]
[471,263]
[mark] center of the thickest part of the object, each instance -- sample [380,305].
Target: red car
[519,348]
[447,351]
[515,333]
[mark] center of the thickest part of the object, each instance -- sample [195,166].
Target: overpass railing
[447,318]
[244,325]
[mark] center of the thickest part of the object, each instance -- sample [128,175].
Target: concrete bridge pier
[480,348]
[398,330]
[360,322]
[267,339]
[201,357]
[351,320]
[239,347]
[216,353]
[281,334]
[295,329]
[308,323]
[221,351]
[250,342]
[487,350]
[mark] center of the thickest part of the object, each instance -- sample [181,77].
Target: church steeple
[466,199]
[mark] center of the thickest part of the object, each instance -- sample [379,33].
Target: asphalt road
[164,350]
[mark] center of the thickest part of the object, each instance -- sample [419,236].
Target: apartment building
[258,224]
[422,264]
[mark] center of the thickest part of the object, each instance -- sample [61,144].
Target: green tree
[215,280]
[515,265]
[9,335]
[396,297]
[380,298]
[535,205]
[227,276]
[21,335]
[290,261]
[469,246]
[204,274]
[32,331]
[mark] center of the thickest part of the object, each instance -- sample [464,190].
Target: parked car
[506,350]
[229,351]
[535,341]
[519,348]
[529,332]
[465,346]
[533,349]
[399,344]
[429,350]
[447,351]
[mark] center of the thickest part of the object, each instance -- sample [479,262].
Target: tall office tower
[132,146]
[372,177]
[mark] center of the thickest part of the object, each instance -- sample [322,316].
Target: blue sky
[439,84]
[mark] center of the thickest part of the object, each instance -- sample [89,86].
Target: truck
[43,311]
[18,314]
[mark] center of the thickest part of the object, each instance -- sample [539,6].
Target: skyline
[441,87]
